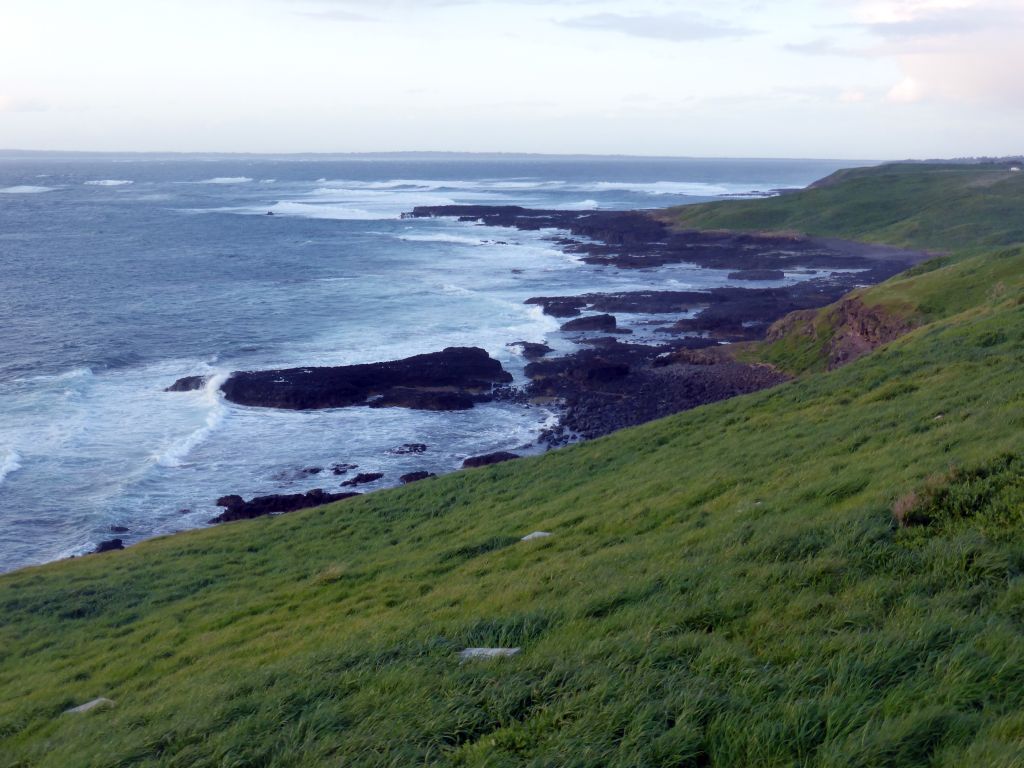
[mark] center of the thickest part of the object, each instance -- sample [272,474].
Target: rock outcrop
[452,379]
[488,458]
[237,508]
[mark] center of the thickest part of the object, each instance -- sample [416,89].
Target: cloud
[824,46]
[672,26]
[906,91]
[12,104]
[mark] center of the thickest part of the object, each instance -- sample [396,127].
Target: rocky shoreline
[609,383]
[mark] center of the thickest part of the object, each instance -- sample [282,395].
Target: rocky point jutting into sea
[608,383]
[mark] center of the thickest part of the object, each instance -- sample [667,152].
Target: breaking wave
[25,189]
[10,461]
[108,182]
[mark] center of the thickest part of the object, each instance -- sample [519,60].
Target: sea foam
[227,180]
[24,189]
[175,454]
[108,182]
[10,461]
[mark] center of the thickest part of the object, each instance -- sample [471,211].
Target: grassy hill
[730,586]
[940,207]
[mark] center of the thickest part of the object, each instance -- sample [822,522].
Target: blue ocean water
[120,274]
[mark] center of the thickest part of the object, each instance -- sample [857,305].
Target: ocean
[119,275]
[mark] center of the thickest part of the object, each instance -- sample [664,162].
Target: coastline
[608,381]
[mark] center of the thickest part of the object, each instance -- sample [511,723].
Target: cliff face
[861,329]
[847,331]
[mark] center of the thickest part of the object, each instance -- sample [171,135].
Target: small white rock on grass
[89,705]
[486,653]
[535,535]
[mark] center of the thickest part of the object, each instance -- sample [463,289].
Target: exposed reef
[453,379]
[237,508]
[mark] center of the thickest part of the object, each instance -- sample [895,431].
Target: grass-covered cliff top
[939,207]
[725,587]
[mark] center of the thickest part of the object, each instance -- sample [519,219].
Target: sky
[872,79]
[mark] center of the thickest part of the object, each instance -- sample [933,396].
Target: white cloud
[678,26]
[906,91]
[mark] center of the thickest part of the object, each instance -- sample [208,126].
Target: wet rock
[605,323]
[424,400]
[445,380]
[531,350]
[414,477]
[558,306]
[118,529]
[187,384]
[488,458]
[236,508]
[108,546]
[362,478]
[342,469]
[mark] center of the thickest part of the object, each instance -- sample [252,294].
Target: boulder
[605,323]
[362,478]
[414,477]
[118,529]
[109,546]
[187,384]
[488,458]
[532,350]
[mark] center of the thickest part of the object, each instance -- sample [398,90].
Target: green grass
[940,207]
[725,587]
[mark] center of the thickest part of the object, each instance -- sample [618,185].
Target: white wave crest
[24,189]
[326,211]
[108,182]
[175,454]
[583,205]
[10,461]
[227,180]
[441,238]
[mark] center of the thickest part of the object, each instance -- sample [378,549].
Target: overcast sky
[784,78]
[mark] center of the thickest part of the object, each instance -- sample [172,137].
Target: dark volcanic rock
[362,478]
[757,274]
[456,370]
[118,529]
[488,459]
[606,323]
[558,306]
[424,400]
[236,508]
[409,448]
[341,469]
[187,384]
[414,477]
[108,546]
[531,350]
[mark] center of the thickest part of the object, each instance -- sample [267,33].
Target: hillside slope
[727,587]
[941,207]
